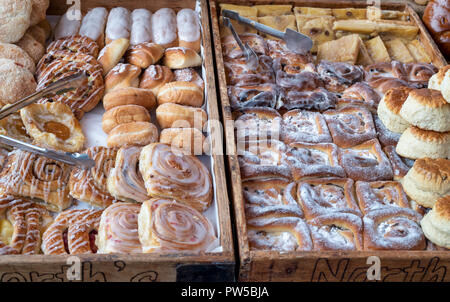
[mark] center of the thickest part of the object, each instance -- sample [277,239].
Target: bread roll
[189,75]
[164,27]
[93,25]
[32,47]
[154,77]
[171,115]
[129,96]
[111,54]
[141,26]
[190,140]
[144,54]
[188,29]
[124,114]
[180,57]
[123,75]
[47,27]
[18,55]
[14,19]
[39,10]
[183,93]
[38,33]
[67,25]
[17,82]
[118,24]
[132,134]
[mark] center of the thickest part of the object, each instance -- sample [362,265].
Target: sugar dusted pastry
[364,94]
[338,76]
[231,49]
[93,25]
[124,114]
[170,115]
[400,165]
[291,62]
[32,47]
[118,24]
[252,96]
[154,77]
[417,143]
[112,53]
[436,225]
[144,54]
[121,76]
[68,25]
[239,74]
[18,55]
[188,29]
[164,27]
[18,82]
[441,81]
[258,123]
[189,75]
[141,26]
[15,19]
[168,226]
[318,99]
[138,133]
[385,136]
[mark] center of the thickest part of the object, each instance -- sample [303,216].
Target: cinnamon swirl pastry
[393,229]
[381,70]
[72,232]
[325,196]
[67,56]
[338,76]
[90,185]
[118,230]
[289,61]
[124,181]
[30,175]
[75,44]
[257,123]
[231,50]
[22,222]
[420,73]
[168,226]
[302,81]
[239,74]
[319,99]
[361,93]
[252,96]
[383,85]
[400,165]
[337,231]
[168,173]
[350,126]
[304,127]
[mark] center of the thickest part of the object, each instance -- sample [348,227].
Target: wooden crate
[143,267]
[319,266]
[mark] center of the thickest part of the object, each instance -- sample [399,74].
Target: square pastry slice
[314,160]
[264,95]
[259,123]
[270,198]
[290,62]
[366,162]
[348,47]
[273,10]
[350,126]
[318,28]
[263,159]
[300,126]
[380,194]
[327,195]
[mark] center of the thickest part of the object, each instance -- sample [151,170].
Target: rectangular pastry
[399,28]
[318,28]
[244,11]
[377,50]
[260,123]
[252,96]
[398,51]
[348,46]
[349,13]
[273,10]
[364,57]
[418,52]
[312,11]
[238,72]
[301,126]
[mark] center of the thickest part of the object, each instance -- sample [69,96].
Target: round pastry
[389,109]
[171,115]
[32,47]
[72,232]
[174,175]
[64,55]
[112,53]
[435,18]
[144,54]
[183,93]
[38,33]
[418,74]
[188,29]
[164,27]
[122,75]
[129,96]
[189,75]
[428,180]
[436,223]
[168,226]
[135,133]
[124,114]
[17,82]
[441,81]
[181,57]
[118,230]
[417,143]
[53,125]
[154,77]
[338,75]
[38,12]
[14,19]
[13,126]
[190,140]
[75,44]
[427,109]
[18,55]
[125,182]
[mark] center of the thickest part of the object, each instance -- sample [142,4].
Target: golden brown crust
[144,54]
[124,114]
[429,135]
[433,170]
[428,97]
[441,73]
[129,96]
[442,207]
[395,97]
[132,134]
[156,76]
[183,93]
[123,75]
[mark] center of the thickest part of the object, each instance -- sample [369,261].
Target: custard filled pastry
[90,185]
[21,224]
[154,77]
[72,232]
[118,230]
[168,226]
[168,173]
[54,126]
[189,75]
[124,181]
[30,175]
[121,76]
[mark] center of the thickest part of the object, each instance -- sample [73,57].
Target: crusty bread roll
[436,223]
[111,54]
[132,134]
[18,55]
[441,81]
[180,57]
[418,143]
[67,26]
[123,75]
[189,75]
[427,109]
[188,29]
[154,77]
[32,47]
[129,96]
[124,114]
[14,19]
[389,109]
[144,54]
[164,27]
[93,25]
[141,26]
[16,81]
[170,115]
[427,180]
[38,33]
[183,93]
[118,24]
[190,140]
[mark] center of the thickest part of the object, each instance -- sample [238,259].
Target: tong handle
[258,26]
[227,23]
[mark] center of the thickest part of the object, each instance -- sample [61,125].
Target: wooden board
[143,267]
[318,266]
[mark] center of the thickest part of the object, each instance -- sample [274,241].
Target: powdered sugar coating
[141,26]
[119,23]
[93,23]
[385,136]
[164,26]
[188,25]
[258,123]
[304,127]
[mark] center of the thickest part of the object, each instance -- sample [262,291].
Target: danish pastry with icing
[13,126]
[238,72]
[75,44]
[435,224]
[231,49]
[338,75]
[418,143]
[318,99]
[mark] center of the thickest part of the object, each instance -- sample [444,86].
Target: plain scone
[14,19]
[389,109]
[441,81]
[17,82]
[436,223]
[418,143]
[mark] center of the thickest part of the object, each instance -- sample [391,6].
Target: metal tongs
[62,86]
[295,41]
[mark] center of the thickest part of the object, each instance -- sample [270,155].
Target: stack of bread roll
[422,116]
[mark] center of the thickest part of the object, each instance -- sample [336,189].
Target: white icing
[118,25]
[66,27]
[164,26]
[93,23]
[188,25]
[141,26]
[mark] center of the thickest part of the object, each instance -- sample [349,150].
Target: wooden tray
[143,267]
[319,266]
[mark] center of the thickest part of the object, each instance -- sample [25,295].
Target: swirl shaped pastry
[252,96]
[30,175]
[393,229]
[75,44]
[420,73]
[118,230]
[302,81]
[319,99]
[72,232]
[392,69]
[383,85]
[238,72]
[304,127]
[231,49]
[67,56]
[90,185]
[168,226]
[124,181]
[22,224]
[338,75]
[362,94]
[289,61]
[169,173]
[259,123]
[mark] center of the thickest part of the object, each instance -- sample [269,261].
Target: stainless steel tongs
[64,85]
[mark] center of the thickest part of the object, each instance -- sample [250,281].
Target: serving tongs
[62,86]
[295,41]
[250,56]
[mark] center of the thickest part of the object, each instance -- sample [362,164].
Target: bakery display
[435,224]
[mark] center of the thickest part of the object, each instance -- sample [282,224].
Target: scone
[389,109]
[427,109]
[436,224]
[428,180]
[14,19]
[18,55]
[417,143]
[17,82]
[441,81]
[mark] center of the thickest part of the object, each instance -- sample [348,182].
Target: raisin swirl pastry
[238,72]
[338,75]
[22,223]
[302,81]
[124,181]
[64,55]
[168,226]
[90,185]
[360,94]
[288,61]
[259,123]
[318,99]
[264,95]
[72,232]
[420,73]
[231,49]
[169,173]
[29,175]
[301,126]
[75,44]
